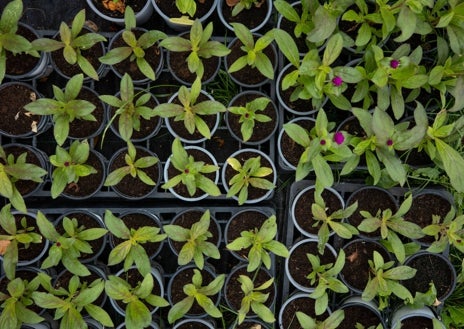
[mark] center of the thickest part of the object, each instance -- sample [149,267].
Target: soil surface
[170,10]
[417,322]
[359,314]
[303,304]
[292,151]
[251,18]
[20,64]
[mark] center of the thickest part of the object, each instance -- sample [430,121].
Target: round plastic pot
[191,199]
[222,3]
[297,245]
[406,312]
[228,115]
[194,322]
[311,189]
[236,154]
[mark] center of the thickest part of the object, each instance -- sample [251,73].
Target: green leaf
[333,49]
[116,226]
[452,163]
[99,314]
[137,315]
[178,310]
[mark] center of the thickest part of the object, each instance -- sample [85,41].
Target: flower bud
[337,81]
[339,138]
[394,63]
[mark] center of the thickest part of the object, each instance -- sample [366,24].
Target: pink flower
[337,81]
[394,63]
[339,138]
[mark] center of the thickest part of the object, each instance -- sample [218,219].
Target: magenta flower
[337,81]
[389,142]
[322,142]
[394,63]
[339,138]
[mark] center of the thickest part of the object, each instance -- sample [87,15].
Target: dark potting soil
[417,322]
[182,189]
[423,208]
[299,265]
[185,277]
[85,221]
[133,186]
[248,75]
[244,221]
[234,293]
[179,127]
[187,219]
[146,126]
[192,325]
[62,281]
[85,128]
[21,63]
[135,221]
[359,314]
[298,105]
[430,268]
[179,67]
[261,130]
[304,304]
[169,8]
[24,186]
[89,184]
[92,54]
[371,200]
[253,192]
[356,271]
[15,119]
[292,151]
[251,18]
[303,214]
[34,249]
[152,56]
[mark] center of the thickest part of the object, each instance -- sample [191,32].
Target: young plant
[331,222]
[10,41]
[391,225]
[72,41]
[196,292]
[239,5]
[68,246]
[254,55]
[11,171]
[383,138]
[386,281]
[449,231]
[64,108]
[250,174]
[321,146]
[131,250]
[187,6]
[70,166]
[136,299]
[135,48]
[15,239]
[199,46]
[130,108]
[390,74]
[325,276]
[191,172]
[303,21]
[332,322]
[195,246]
[315,78]
[134,167]
[15,303]
[70,304]
[189,110]
[261,242]
[249,115]
[254,299]
[440,143]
